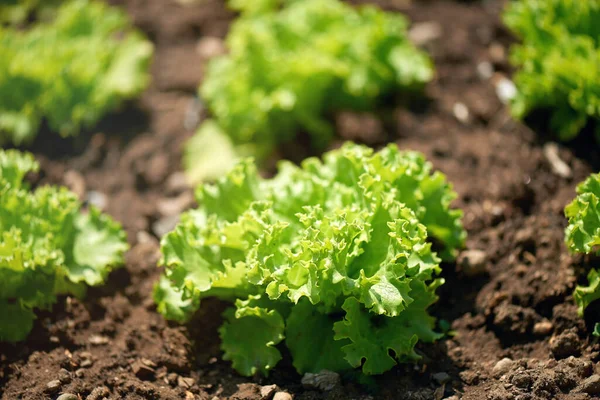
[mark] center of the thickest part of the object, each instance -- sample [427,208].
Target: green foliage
[558,61]
[583,235]
[332,256]
[16,12]
[48,246]
[69,72]
[291,64]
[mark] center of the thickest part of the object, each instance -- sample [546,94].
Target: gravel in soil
[516,333]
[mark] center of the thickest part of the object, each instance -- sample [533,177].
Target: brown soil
[514,302]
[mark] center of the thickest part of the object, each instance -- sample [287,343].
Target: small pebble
[80,373]
[53,386]
[64,376]
[324,380]
[165,225]
[485,70]
[497,53]
[502,367]
[282,396]
[86,363]
[97,199]
[185,383]
[461,113]
[559,167]
[210,46]
[505,90]
[67,396]
[472,262]
[98,340]
[422,33]
[543,328]
[441,377]
[266,392]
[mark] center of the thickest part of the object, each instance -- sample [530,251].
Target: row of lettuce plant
[336,259]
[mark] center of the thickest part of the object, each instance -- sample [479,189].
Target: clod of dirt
[590,385]
[472,262]
[522,380]
[98,393]
[564,345]
[502,367]
[53,386]
[67,396]
[282,396]
[142,371]
[514,319]
[324,380]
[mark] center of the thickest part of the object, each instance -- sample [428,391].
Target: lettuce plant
[69,72]
[15,12]
[558,61]
[331,258]
[583,236]
[48,246]
[290,65]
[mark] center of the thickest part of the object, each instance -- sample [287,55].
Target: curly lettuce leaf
[353,226]
[292,63]
[48,246]
[582,235]
[585,295]
[558,61]
[583,232]
[308,336]
[249,336]
[69,72]
[15,321]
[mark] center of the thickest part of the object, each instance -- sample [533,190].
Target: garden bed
[509,295]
